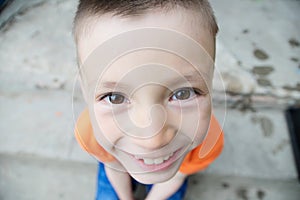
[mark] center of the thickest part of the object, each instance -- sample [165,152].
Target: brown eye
[183,94]
[116,98]
[113,98]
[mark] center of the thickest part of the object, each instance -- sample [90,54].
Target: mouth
[156,161]
[159,163]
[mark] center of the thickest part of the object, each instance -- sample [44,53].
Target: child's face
[148,107]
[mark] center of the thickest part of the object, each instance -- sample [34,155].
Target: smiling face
[149,102]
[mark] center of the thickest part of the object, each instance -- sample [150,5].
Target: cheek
[203,122]
[106,122]
[195,122]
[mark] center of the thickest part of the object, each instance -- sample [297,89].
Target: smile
[156,161]
[159,163]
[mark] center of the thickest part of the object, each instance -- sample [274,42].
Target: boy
[146,69]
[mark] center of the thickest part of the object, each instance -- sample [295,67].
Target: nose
[157,140]
[151,128]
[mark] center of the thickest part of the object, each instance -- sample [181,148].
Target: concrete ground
[257,56]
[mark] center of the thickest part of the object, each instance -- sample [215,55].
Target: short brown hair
[138,7]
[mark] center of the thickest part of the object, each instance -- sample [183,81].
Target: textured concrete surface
[33,178]
[204,186]
[257,58]
[257,145]
[258,47]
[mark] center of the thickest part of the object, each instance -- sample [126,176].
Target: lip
[157,167]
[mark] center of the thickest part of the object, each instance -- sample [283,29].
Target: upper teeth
[156,161]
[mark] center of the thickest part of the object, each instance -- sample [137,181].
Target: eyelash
[109,94]
[196,92]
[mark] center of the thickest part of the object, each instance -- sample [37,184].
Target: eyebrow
[112,84]
[192,78]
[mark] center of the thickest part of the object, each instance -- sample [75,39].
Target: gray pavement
[257,58]
[29,177]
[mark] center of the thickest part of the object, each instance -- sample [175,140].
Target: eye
[113,98]
[184,94]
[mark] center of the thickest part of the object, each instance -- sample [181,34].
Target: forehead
[157,59]
[102,32]
[148,67]
[100,29]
